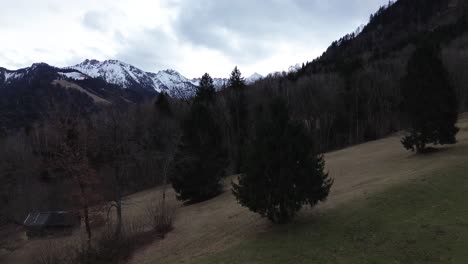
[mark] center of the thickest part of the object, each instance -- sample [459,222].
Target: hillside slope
[358,171]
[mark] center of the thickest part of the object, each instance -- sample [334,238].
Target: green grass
[424,221]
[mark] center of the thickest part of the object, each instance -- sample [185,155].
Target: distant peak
[256,74]
[38,64]
[97,62]
[253,78]
[171,71]
[90,62]
[113,62]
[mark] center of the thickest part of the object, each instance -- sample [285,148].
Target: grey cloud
[119,37]
[9,63]
[149,50]
[243,29]
[95,21]
[73,58]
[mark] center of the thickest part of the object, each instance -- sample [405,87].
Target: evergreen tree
[206,90]
[200,162]
[236,81]
[238,117]
[162,104]
[282,174]
[429,101]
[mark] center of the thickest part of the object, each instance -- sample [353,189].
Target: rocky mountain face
[130,77]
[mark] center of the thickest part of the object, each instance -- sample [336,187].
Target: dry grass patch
[161,217]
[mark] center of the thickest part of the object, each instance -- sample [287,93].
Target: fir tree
[162,104]
[429,101]
[236,81]
[199,164]
[282,174]
[206,90]
[238,116]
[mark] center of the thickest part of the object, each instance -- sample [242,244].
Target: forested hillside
[351,93]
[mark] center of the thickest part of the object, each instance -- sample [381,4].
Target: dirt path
[220,223]
[358,171]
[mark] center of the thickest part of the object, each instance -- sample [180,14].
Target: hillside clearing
[359,171]
[69,85]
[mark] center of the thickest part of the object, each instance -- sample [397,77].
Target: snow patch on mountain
[74,75]
[173,83]
[219,83]
[9,76]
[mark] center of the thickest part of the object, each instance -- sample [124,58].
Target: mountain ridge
[127,76]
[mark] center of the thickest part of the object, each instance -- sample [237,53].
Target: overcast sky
[190,36]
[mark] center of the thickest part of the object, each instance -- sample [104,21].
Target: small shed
[40,224]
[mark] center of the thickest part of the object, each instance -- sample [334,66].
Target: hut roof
[50,219]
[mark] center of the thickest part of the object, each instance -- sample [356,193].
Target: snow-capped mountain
[130,77]
[253,78]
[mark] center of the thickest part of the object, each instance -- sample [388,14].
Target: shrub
[112,247]
[161,217]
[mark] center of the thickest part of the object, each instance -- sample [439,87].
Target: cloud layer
[192,37]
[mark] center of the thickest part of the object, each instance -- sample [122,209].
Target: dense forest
[54,138]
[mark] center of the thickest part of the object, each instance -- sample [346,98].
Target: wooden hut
[39,224]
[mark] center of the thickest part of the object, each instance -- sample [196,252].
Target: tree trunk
[164,188]
[88,226]
[420,148]
[86,214]
[118,200]
[118,229]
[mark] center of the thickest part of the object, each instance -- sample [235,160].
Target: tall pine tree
[200,162]
[282,173]
[429,102]
[238,116]
[206,90]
